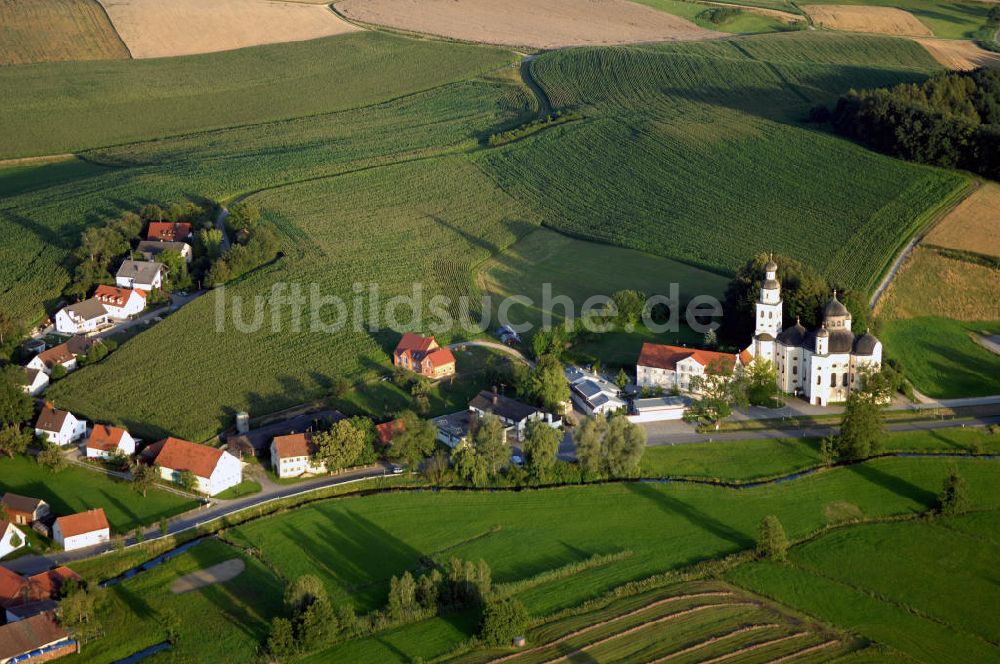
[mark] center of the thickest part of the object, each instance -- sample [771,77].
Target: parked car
[397,469]
[517,460]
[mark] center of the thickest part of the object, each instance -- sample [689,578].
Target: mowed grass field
[745,21]
[54,30]
[930,282]
[718,162]
[926,588]
[78,489]
[72,106]
[356,545]
[946,18]
[972,226]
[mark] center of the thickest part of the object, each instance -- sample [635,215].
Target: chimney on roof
[495,395]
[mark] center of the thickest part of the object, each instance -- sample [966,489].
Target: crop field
[972,226]
[924,588]
[77,489]
[521,23]
[355,545]
[941,358]
[960,55]
[749,19]
[716,151]
[857,18]
[54,30]
[948,19]
[932,283]
[154,29]
[73,106]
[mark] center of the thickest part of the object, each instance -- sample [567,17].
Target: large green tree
[341,446]
[15,404]
[414,439]
[490,440]
[541,445]
[546,384]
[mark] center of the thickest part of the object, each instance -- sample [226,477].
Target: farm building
[593,394]
[143,275]
[22,597]
[422,355]
[23,510]
[214,469]
[168,231]
[105,441]
[658,409]
[822,365]
[120,303]
[84,317]
[673,367]
[64,354]
[59,426]
[35,639]
[292,456]
[78,531]
[11,539]
[150,249]
[34,382]
[514,414]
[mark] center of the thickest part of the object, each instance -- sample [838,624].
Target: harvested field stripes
[806,651]
[632,630]
[715,639]
[754,647]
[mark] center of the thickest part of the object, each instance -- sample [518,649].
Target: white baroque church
[822,365]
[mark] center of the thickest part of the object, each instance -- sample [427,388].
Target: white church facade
[821,365]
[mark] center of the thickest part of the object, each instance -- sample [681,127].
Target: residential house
[422,355]
[214,469]
[84,317]
[150,249]
[515,415]
[121,303]
[593,394]
[78,531]
[168,231]
[64,354]
[673,367]
[35,639]
[453,430]
[105,441]
[144,275]
[35,381]
[386,431]
[59,426]
[292,456]
[11,539]
[23,510]
[22,597]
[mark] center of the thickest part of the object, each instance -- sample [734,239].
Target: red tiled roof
[414,343]
[114,296]
[180,455]
[23,636]
[167,230]
[60,354]
[82,522]
[12,587]
[294,445]
[49,583]
[440,357]
[51,419]
[662,356]
[388,430]
[745,357]
[105,437]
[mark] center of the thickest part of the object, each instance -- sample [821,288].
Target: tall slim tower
[768,307]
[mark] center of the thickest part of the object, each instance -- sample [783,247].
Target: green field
[924,588]
[744,22]
[945,18]
[357,544]
[78,489]
[62,107]
[940,357]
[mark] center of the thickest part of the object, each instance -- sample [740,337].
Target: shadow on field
[899,486]
[696,517]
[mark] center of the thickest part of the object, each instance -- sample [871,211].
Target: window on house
[819,380]
[795,370]
[844,381]
[833,380]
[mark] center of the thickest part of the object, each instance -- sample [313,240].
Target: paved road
[194,518]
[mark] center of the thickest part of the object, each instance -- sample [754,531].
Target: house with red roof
[387,431]
[105,441]
[39,638]
[292,456]
[120,303]
[214,469]
[422,355]
[673,367]
[78,531]
[168,231]
[64,354]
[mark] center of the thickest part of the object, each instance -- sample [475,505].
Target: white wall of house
[134,305]
[37,363]
[67,323]
[128,282]
[295,466]
[8,538]
[228,473]
[126,446]
[72,431]
[80,541]
[40,383]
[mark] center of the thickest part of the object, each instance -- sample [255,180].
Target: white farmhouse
[146,276]
[59,426]
[513,414]
[292,456]
[78,531]
[84,317]
[11,539]
[673,367]
[215,470]
[105,441]
[121,303]
[65,354]
[34,381]
[822,365]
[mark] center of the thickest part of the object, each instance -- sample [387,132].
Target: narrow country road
[220,223]
[497,346]
[544,106]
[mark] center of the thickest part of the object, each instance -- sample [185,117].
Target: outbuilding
[78,531]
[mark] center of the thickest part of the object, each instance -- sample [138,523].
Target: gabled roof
[87,309]
[105,437]
[662,356]
[49,583]
[180,455]
[155,247]
[64,352]
[30,375]
[51,419]
[745,357]
[294,445]
[19,503]
[167,230]
[501,406]
[14,589]
[414,343]
[440,357]
[115,296]
[388,430]
[139,271]
[23,636]
[82,522]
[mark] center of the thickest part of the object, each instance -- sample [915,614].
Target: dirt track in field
[549,24]
[878,20]
[220,573]
[961,55]
[161,28]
